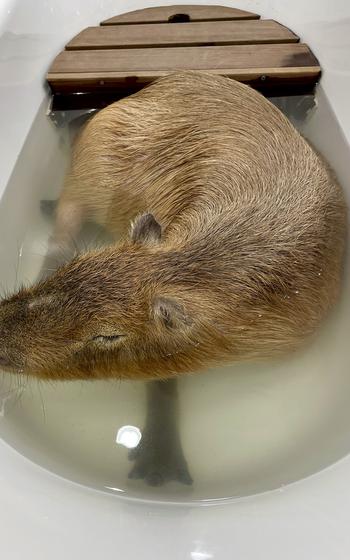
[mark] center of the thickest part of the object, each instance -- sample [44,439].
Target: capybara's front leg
[62,245]
[159,457]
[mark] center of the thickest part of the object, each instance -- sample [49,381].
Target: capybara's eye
[107,339]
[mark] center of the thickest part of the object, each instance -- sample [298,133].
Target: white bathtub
[45,516]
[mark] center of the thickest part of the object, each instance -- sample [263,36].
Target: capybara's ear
[145,229]
[171,313]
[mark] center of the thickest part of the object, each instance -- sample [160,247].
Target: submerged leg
[159,457]
[62,243]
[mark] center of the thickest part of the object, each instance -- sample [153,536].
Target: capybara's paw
[158,462]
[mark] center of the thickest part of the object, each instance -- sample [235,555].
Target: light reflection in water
[129,436]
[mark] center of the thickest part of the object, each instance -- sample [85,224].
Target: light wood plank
[191,34]
[195,13]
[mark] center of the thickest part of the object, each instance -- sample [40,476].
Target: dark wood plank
[92,81]
[164,13]
[157,60]
[191,34]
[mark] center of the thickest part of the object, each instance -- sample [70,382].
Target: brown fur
[238,256]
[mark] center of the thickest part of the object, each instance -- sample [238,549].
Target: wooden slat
[237,57]
[79,82]
[272,86]
[191,34]
[97,91]
[195,13]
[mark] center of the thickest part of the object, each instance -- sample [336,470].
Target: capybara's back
[237,243]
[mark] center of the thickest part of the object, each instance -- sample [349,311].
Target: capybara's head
[102,315]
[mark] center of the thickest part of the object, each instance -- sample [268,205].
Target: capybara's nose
[4,361]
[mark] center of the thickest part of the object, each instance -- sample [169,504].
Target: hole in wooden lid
[179,18]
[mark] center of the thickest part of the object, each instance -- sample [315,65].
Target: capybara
[234,251]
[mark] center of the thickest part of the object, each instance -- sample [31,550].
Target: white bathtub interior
[245,429]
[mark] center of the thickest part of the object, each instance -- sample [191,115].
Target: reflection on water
[233,431]
[129,436]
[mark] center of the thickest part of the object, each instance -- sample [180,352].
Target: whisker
[19,251]
[41,399]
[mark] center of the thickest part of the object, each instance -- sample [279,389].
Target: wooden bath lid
[124,53]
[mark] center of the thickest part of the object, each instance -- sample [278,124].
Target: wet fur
[235,251]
